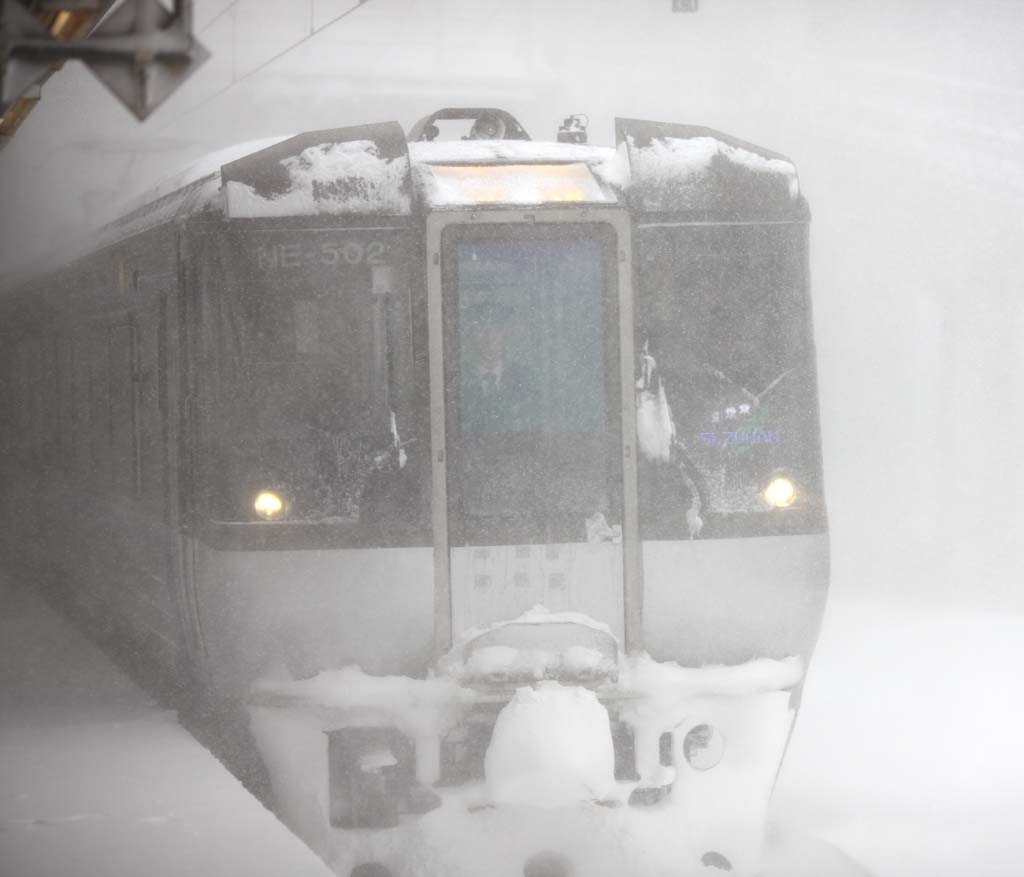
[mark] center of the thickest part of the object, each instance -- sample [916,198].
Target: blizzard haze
[905,121]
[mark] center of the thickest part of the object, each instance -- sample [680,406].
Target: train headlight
[780,492]
[703,747]
[269,505]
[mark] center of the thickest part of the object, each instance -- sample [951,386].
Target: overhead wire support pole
[142,51]
[150,37]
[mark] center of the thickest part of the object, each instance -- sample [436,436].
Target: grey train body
[353,400]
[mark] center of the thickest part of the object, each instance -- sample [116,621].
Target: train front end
[559,614]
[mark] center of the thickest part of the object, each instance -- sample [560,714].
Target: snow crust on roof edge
[197,170]
[685,173]
[198,196]
[693,155]
[469,151]
[331,178]
[313,168]
[195,197]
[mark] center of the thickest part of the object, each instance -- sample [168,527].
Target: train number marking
[274,257]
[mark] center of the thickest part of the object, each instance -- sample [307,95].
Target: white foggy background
[905,119]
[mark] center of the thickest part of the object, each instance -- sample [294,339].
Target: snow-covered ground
[98,781]
[907,750]
[905,757]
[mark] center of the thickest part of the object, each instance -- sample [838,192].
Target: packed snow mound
[537,614]
[539,644]
[507,662]
[660,693]
[416,706]
[614,170]
[551,747]
[692,156]
[330,178]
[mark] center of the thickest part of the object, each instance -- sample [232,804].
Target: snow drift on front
[537,747]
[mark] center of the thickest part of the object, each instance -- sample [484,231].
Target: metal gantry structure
[140,49]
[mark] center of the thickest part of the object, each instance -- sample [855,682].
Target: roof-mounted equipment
[574,129]
[489,123]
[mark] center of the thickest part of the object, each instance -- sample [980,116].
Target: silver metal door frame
[619,220]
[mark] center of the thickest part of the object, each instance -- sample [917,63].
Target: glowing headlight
[269,505]
[780,493]
[703,747]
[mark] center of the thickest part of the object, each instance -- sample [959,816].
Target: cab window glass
[298,354]
[723,315]
[532,382]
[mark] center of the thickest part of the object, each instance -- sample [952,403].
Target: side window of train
[103,406]
[149,417]
[6,392]
[65,401]
[80,388]
[121,380]
[24,397]
[32,400]
[21,389]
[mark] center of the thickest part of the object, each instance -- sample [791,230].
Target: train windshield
[298,342]
[531,374]
[723,314]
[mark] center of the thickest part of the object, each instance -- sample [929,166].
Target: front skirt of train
[537,747]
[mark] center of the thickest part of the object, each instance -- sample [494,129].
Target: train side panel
[93,483]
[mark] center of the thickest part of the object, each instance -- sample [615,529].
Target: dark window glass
[531,384]
[723,313]
[152,452]
[121,421]
[297,354]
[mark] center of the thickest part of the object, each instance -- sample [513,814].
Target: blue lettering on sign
[727,438]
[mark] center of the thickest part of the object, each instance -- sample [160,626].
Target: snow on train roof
[202,167]
[681,173]
[351,177]
[315,167]
[670,156]
[193,188]
[329,178]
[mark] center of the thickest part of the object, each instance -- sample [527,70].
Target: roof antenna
[574,129]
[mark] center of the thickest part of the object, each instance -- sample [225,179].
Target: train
[481,475]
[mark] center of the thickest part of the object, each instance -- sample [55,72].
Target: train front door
[534,482]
